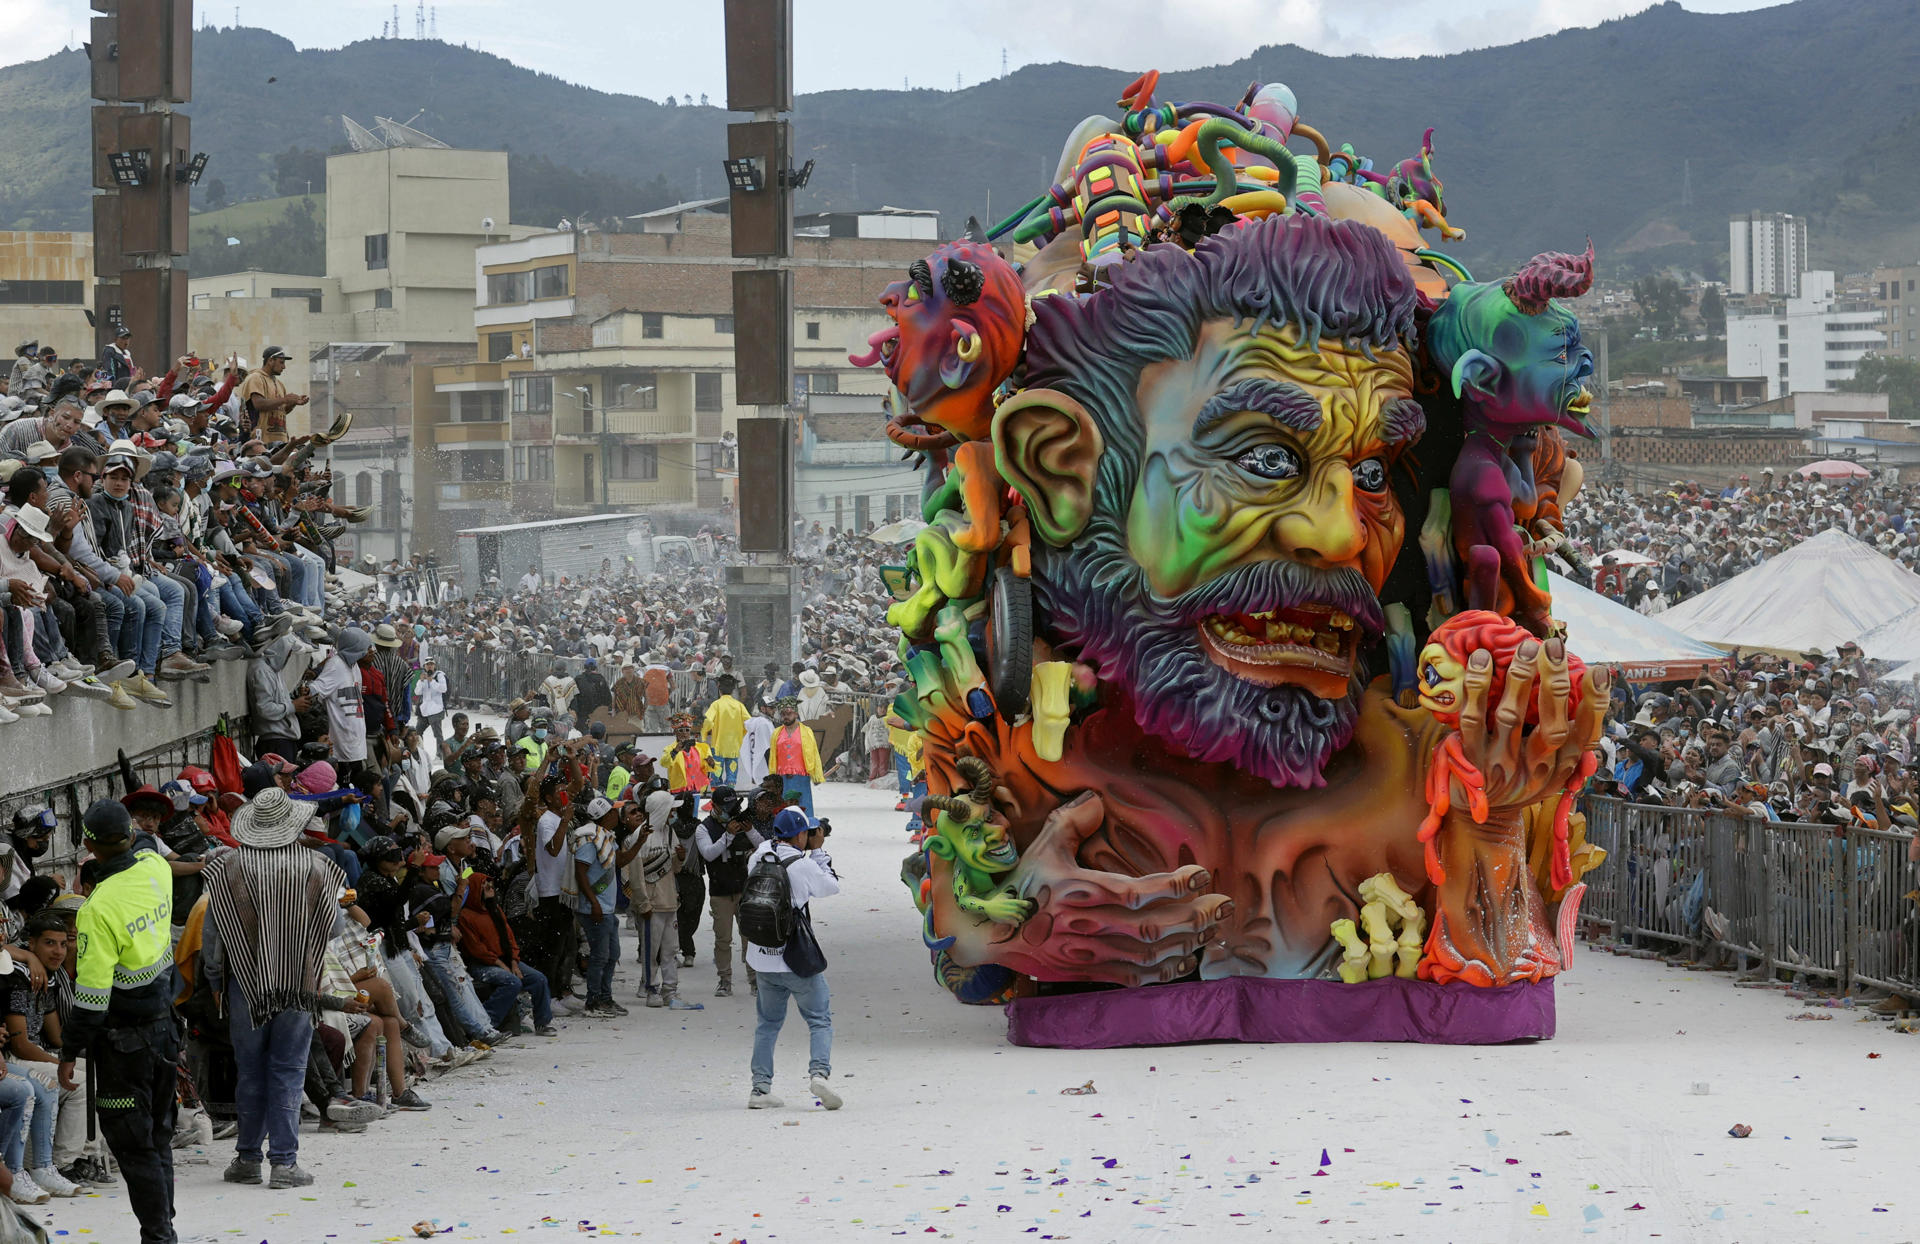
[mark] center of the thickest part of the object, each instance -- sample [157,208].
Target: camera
[825,827]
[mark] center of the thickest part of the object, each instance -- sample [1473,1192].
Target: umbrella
[1832,468]
[900,531]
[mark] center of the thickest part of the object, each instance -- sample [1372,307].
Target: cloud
[32,29]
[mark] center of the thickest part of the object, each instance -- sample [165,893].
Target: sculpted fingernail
[1480,660]
[1199,881]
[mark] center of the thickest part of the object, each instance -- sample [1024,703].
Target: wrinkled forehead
[1353,390]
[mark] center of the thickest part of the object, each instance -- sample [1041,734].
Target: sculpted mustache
[1274,585]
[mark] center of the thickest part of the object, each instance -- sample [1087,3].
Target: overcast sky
[657,47]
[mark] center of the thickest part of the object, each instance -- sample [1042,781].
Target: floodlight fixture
[745,173]
[129,168]
[188,174]
[798,177]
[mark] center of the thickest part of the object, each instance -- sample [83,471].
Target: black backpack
[766,904]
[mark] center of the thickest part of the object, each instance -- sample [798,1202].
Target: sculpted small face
[1441,682]
[1547,369]
[1259,450]
[981,845]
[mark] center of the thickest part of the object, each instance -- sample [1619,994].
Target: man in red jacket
[493,958]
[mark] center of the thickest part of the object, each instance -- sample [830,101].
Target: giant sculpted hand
[1088,924]
[1523,762]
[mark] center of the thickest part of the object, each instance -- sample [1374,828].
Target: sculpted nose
[1325,530]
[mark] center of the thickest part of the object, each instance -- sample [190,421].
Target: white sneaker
[7,715]
[31,708]
[68,671]
[51,1181]
[27,1192]
[228,626]
[824,1091]
[47,681]
[763,1100]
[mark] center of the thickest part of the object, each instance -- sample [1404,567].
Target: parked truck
[576,547]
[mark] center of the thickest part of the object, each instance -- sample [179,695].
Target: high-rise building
[1766,254]
[1803,345]
[1896,291]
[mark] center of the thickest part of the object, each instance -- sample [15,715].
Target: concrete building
[46,287]
[1767,254]
[1804,344]
[604,375]
[848,475]
[1896,292]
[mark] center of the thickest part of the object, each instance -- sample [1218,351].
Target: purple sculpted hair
[1328,280]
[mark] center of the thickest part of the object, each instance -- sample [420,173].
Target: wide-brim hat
[272,820]
[809,679]
[384,636]
[140,459]
[35,522]
[114,397]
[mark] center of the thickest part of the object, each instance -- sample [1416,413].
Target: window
[550,282]
[376,250]
[1783,371]
[540,463]
[805,382]
[499,346]
[311,295]
[383,299]
[480,407]
[861,508]
[390,499]
[630,390]
[532,394]
[706,391]
[653,324]
[59,293]
[813,330]
[706,455]
[893,507]
[481,465]
[1783,332]
[505,287]
[640,462]
[363,488]
[723,324]
[199,302]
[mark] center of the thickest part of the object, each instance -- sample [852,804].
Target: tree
[1896,377]
[1661,302]
[1713,313]
[298,169]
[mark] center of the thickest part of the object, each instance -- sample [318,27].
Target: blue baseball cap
[790,823]
[182,796]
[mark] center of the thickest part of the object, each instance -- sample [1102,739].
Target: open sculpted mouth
[1314,646]
[1581,404]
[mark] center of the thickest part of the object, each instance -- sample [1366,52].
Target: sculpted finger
[1510,718]
[1585,730]
[1071,824]
[1196,916]
[1556,688]
[1473,709]
[1086,889]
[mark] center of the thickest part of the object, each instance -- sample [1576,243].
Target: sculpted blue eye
[1271,462]
[1370,475]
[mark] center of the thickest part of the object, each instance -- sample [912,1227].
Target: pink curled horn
[1426,142]
[1549,276]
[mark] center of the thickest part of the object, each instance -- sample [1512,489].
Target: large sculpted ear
[1048,447]
[1478,373]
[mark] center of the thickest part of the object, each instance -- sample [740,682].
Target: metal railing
[1823,902]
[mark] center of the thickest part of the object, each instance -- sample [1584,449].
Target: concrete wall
[40,255]
[83,736]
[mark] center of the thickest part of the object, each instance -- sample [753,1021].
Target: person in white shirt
[797,838]
[756,738]
[432,690]
[530,581]
[338,686]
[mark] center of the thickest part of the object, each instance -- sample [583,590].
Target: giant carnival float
[1244,710]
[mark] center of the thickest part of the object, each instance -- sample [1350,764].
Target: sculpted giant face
[1214,536]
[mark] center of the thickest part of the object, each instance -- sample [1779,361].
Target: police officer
[122,1017]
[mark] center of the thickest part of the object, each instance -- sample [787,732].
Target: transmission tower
[1003,62]
[433,22]
[420,19]
[396,21]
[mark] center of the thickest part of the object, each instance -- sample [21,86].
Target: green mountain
[1645,132]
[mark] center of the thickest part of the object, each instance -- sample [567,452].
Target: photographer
[652,880]
[797,845]
[726,840]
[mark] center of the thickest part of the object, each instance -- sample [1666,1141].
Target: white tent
[1639,647]
[1897,640]
[1819,594]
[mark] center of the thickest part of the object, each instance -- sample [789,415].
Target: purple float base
[1252,1008]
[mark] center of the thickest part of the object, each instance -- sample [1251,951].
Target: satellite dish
[487,224]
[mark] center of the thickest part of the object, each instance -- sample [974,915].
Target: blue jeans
[902,774]
[729,769]
[140,622]
[451,971]
[798,784]
[165,595]
[236,603]
[603,951]
[271,1074]
[15,1096]
[809,993]
[37,1146]
[504,989]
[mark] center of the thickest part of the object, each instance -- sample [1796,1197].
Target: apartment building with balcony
[1807,344]
[604,377]
[1896,292]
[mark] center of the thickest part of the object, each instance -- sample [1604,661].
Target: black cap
[124,332]
[273,352]
[107,821]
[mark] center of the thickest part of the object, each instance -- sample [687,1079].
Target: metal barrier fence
[72,796]
[1820,901]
